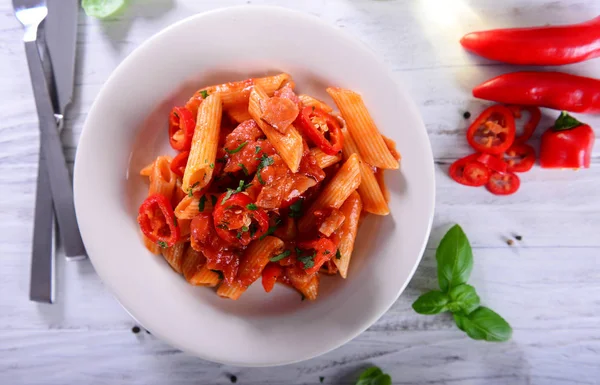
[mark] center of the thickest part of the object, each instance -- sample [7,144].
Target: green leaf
[201,203]
[102,8]
[432,302]
[384,379]
[484,324]
[279,257]
[251,206]
[162,244]
[565,122]
[463,299]
[296,209]
[244,169]
[374,376]
[204,94]
[454,259]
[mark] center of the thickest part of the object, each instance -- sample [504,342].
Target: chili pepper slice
[235,222]
[503,183]
[181,128]
[179,162]
[534,119]
[323,250]
[322,129]
[157,220]
[457,170]
[493,131]
[493,162]
[476,174]
[568,144]
[270,274]
[520,158]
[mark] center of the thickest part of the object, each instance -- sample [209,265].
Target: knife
[60,39]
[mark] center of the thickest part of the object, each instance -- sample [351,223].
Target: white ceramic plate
[126,129]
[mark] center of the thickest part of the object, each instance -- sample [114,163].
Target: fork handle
[51,148]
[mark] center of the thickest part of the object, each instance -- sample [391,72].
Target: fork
[31,13]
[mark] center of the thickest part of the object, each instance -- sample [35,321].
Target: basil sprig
[374,376]
[454,265]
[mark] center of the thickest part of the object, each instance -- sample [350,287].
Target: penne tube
[190,206]
[237,93]
[195,270]
[307,285]
[174,255]
[201,161]
[239,113]
[147,171]
[162,179]
[231,290]
[309,101]
[372,197]
[324,160]
[256,257]
[362,128]
[332,222]
[151,246]
[178,193]
[288,145]
[344,182]
[347,232]
[391,145]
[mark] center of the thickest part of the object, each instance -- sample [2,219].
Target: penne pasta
[178,193]
[151,246]
[190,206]
[309,101]
[307,285]
[332,222]
[288,145]
[391,145]
[239,113]
[344,182]
[162,179]
[372,197]
[174,255]
[362,128]
[195,271]
[237,93]
[347,232]
[201,161]
[147,171]
[324,160]
[256,258]
[231,290]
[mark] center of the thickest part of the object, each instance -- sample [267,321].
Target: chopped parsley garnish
[221,276]
[191,190]
[338,255]
[308,260]
[271,229]
[279,257]
[212,165]
[295,209]
[257,149]
[239,235]
[162,244]
[242,186]
[237,149]
[264,161]
[204,94]
[244,169]
[251,206]
[213,200]
[202,203]
[245,228]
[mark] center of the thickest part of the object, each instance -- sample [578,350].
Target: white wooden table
[547,285]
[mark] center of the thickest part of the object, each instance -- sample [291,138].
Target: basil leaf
[374,376]
[565,122]
[384,379]
[102,8]
[433,302]
[463,299]
[484,324]
[237,149]
[454,259]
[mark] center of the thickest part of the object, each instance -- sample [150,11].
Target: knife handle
[56,165]
[41,285]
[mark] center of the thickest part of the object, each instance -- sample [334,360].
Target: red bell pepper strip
[157,220]
[529,128]
[270,274]
[551,45]
[520,158]
[181,128]
[493,162]
[493,132]
[555,90]
[568,144]
[237,219]
[503,183]
[179,162]
[322,129]
[324,250]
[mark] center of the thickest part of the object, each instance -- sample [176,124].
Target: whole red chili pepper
[545,89]
[555,45]
[568,144]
